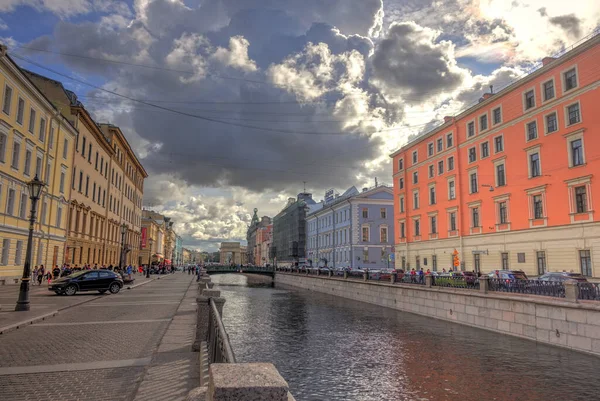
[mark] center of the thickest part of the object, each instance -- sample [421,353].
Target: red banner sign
[144,237]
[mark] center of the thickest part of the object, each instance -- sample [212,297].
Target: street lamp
[35,187]
[150,241]
[123,232]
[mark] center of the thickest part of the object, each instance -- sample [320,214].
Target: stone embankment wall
[543,319]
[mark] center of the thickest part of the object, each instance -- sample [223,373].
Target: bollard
[484,284]
[329,273]
[393,277]
[365,276]
[428,281]
[571,291]
[345,274]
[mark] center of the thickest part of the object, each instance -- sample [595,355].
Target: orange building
[509,183]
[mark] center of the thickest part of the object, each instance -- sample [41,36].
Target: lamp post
[149,258]
[123,232]
[35,187]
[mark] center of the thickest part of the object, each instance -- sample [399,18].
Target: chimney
[447,119]
[547,60]
[485,97]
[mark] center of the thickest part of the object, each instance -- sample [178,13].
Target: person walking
[41,273]
[129,269]
[55,272]
[35,275]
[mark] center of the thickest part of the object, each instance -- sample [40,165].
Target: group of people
[41,273]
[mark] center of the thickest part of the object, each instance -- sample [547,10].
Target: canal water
[330,349]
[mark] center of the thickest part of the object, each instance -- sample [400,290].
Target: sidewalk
[44,303]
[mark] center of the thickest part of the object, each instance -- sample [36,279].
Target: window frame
[530,154]
[484,155]
[496,151]
[450,163]
[497,164]
[32,114]
[494,123]
[468,124]
[440,166]
[7,87]
[401,183]
[415,157]
[438,142]
[525,93]
[451,193]
[487,122]
[568,122]
[400,164]
[471,173]
[415,177]
[430,149]
[22,113]
[416,199]
[543,90]
[431,171]
[450,137]
[578,135]
[563,74]
[557,125]
[529,124]
[472,151]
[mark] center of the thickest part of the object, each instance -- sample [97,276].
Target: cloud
[69,8]
[236,55]
[570,23]
[3,25]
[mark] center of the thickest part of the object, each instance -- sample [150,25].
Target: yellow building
[154,239]
[35,139]
[187,256]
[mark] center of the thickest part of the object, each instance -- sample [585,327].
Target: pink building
[264,235]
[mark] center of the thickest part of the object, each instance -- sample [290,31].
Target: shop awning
[159,255]
[167,261]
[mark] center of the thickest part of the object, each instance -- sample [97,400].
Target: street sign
[455,259]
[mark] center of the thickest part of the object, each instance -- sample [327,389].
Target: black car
[87,280]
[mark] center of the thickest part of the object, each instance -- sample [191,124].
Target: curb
[33,320]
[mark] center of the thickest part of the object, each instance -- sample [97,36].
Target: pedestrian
[41,273]
[55,272]
[49,276]
[413,275]
[35,274]
[129,269]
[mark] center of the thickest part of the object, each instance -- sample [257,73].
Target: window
[383,213]
[402,230]
[400,164]
[415,157]
[90,153]
[383,234]
[42,130]
[87,185]
[83,142]
[365,234]
[534,165]
[541,262]
[59,217]
[474,188]
[532,131]
[416,177]
[62,182]
[451,163]
[15,155]
[94,192]
[538,207]
[475,216]
[365,213]
[453,221]
[431,171]
[573,114]
[7,99]
[433,223]
[5,249]
[585,262]
[548,90]
[19,253]
[96,163]
[483,122]
[65,148]
[477,262]
[10,202]
[498,144]
[551,123]
[32,121]
[502,213]
[485,149]
[20,111]
[80,181]
[401,204]
[470,129]
[51,138]
[577,152]
[500,175]
[440,144]
[440,167]
[23,206]
[430,149]
[44,210]
[416,200]
[401,183]
[581,199]
[432,200]
[497,115]
[472,154]
[27,169]
[451,190]
[434,262]
[38,167]
[449,140]
[417,228]
[529,99]
[570,78]
[504,258]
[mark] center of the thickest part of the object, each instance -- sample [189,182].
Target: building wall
[44,143]
[534,318]
[522,232]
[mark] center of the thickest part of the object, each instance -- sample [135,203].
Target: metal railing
[588,291]
[407,278]
[455,282]
[531,287]
[219,347]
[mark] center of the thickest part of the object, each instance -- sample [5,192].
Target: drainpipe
[333,241]
[459,192]
[351,235]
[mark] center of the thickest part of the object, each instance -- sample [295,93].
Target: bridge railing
[219,346]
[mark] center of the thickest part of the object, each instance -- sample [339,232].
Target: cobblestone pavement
[109,348]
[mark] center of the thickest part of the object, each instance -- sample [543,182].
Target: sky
[233,105]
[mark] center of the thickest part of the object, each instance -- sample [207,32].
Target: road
[135,345]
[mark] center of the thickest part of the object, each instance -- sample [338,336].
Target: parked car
[508,274]
[87,280]
[509,280]
[563,276]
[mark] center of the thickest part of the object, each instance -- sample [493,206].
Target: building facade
[510,182]
[353,230]
[253,248]
[178,257]
[35,140]
[152,238]
[289,231]
[264,238]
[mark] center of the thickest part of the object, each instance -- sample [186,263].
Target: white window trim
[481,156]
[524,101]
[412,155]
[469,155]
[497,200]
[402,204]
[416,191]
[474,128]
[401,160]
[34,120]
[449,134]
[573,136]
[469,172]
[441,138]
[493,124]
[400,231]
[479,122]
[431,171]
[537,130]
[368,227]
[443,167]
[434,235]
[449,180]
[12,94]
[566,113]
[562,78]
[417,218]
[498,161]
[531,150]
[432,185]
[540,190]
[432,144]
[449,211]
[471,206]
[576,182]
[546,123]
[387,233]
[543,92]
[494,143]
[17,111]
[413,177]
[448,163]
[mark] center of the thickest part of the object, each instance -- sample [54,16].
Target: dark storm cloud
[408,61]
[569,23]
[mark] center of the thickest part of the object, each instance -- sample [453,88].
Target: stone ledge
[246,381]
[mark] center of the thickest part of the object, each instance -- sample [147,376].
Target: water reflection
[329,348]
